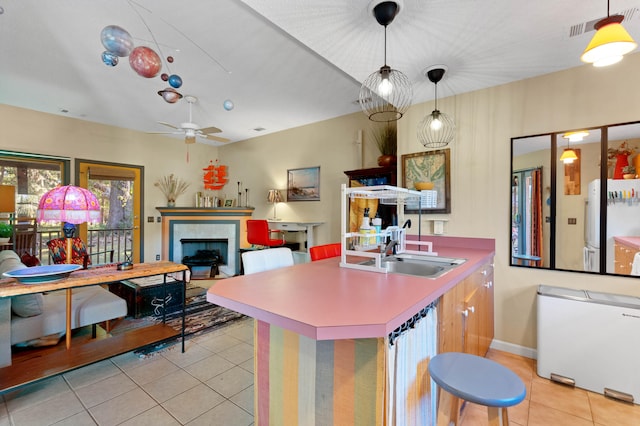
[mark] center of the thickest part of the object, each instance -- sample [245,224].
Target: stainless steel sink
[419,265]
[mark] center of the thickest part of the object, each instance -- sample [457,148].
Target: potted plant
[6,231]
[629,172]
[386,138]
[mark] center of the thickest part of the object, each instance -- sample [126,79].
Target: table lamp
[274,197]
[71,205]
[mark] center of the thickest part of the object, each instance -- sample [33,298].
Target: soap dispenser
[377,226]
[365,229]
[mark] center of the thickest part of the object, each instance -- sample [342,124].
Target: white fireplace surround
[228,231]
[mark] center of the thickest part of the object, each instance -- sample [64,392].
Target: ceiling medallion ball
[170,95]
[116,40]
[387,93]
[109,58]
[145,61]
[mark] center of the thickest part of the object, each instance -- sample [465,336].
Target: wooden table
[56,362]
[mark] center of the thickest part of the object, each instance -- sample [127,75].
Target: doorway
[119,191]
[526,220]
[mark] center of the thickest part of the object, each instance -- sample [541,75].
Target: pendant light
[569,155]
[610,42]
[386,94]
[437,129]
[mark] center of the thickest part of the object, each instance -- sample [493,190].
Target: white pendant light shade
[386,95]
[610,42]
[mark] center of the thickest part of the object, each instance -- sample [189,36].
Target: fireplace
[212,224]
[204,256]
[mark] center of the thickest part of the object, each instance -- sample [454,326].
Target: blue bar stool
[474,379]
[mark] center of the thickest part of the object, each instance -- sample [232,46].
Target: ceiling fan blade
[209,130]
[164,133]
[215,138]
[168,125]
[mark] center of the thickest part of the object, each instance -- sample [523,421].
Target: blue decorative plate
[42,274]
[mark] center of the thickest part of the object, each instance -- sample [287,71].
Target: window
[33,175]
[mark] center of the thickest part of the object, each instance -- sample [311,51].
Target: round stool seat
[476,379]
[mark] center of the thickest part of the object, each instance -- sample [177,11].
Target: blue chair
[477,380]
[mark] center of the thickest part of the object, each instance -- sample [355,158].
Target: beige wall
[486,120]
[480,175]
[334,145]
[30,131]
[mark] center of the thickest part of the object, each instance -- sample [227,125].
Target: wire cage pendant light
[386,94]
[436,130]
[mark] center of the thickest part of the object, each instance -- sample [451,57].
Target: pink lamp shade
[70,204]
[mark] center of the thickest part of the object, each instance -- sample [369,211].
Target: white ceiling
[284,63]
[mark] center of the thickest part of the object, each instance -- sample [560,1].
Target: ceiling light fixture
[437,129]
[569,155]
[576,136]
[386,94]
[610,42]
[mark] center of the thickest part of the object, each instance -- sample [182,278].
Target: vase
[622,161]
[171,203]
[387,160]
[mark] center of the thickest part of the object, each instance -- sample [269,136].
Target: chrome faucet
[391,245]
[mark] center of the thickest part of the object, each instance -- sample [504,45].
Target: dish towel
[635,267]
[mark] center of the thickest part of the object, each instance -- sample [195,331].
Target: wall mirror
[561,210]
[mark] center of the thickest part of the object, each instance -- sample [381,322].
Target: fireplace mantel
[190,222]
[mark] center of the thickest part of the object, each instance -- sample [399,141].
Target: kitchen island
[322,350]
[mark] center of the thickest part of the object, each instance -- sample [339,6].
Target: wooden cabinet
[371,177]
[624,254]
[465,314]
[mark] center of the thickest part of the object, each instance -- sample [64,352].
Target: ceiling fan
[191,130]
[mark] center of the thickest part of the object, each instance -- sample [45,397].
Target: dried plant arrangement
[172,187]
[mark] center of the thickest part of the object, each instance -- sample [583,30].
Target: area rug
[200,316]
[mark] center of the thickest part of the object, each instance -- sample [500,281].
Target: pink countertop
[324,301]
[630,241]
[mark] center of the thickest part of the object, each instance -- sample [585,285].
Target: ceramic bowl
[422,186]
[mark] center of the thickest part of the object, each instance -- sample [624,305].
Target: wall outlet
[157,257]
[573,221]
[150,219]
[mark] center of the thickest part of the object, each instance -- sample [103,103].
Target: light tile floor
[212,384]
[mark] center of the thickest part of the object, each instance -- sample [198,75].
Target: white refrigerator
[623,219]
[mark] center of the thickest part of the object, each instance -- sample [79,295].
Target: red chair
[259,234]
[325,251]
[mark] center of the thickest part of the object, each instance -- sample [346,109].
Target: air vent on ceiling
[365,100]
[585,27]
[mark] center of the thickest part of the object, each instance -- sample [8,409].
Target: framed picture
[230,202]
[429,166]
[303,184]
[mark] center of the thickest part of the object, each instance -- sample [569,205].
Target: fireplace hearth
[204,256]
